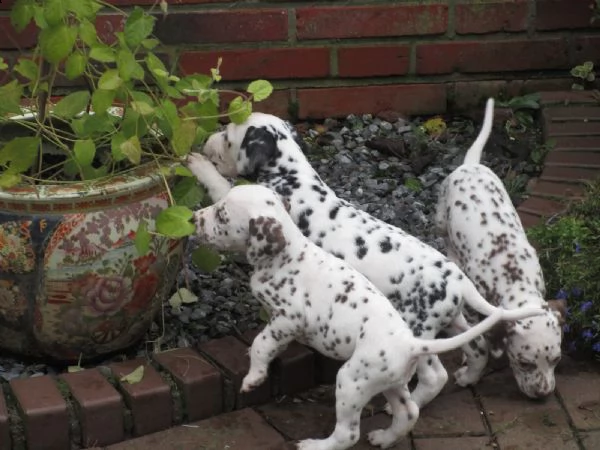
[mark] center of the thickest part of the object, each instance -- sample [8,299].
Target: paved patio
[493,415]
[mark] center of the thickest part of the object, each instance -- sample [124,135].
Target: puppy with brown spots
[485,237]
[320,300]
[426,288]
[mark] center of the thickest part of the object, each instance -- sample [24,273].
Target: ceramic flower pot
[71,281]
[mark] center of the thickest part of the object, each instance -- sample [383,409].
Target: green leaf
[588,66]
[27,68]
[182,296]
[149,44]
[263,315]
[142,238]
[142,107]
[72,104]
[201,136]
[11,94]
[138,27]
[134,377]
[260,89]
[9,179]
[174,221]
[183,171]
[75,65]
[83,9]
[55,11]
[132,149]
[73,369]
[207,114]
[155,65]
[38,16]
[115,146]
[21,14]
[88,33]
[85,151]
[102,53]
[20,153]
[187,192]
[133,124]
[239,110]
[129,68]
[57,42]
[102,99]
[183,137]
[206,259]
[110,80]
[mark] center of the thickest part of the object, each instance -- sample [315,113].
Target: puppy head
[234,223]
[246,149]
[533,346]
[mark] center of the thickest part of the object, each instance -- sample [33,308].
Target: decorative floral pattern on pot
[74,284]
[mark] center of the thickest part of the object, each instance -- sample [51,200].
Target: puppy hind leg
[476,354]
[432,378]
[405,413]
[351,396]
[269,343]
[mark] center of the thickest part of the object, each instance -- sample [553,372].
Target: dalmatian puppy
[485,237]
[321,301]
[423,285]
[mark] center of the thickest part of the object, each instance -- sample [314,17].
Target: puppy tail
[473,155]
[434,346]
[474,299]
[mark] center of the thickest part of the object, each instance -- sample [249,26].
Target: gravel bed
[386,165]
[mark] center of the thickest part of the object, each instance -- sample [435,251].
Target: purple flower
[585,306]
[596,347]
[577,247]
[561,295]
[566,328]
[587,334]
[576,292]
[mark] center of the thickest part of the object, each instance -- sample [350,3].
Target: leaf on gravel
[134,377]
[72,369]
[182,296]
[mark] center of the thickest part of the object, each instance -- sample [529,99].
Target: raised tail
[434,346]
[473,155]
[476,301]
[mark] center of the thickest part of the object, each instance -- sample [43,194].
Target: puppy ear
[260,146]
[265,238]
[559,308]
[297,139]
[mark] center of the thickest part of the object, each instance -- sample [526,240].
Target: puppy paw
[310,444]
[251,382]
[465,376]
[381,438]
[388,409]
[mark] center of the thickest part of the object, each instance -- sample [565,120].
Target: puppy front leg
[207,174]
[269,343]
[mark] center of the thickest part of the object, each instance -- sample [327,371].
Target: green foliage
[515,184]
[93,140]
[413,184]
[568,252]
[521,108]
[584,74]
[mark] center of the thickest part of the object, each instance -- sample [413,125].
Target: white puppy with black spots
[485,237]
[321,301]
[423,285]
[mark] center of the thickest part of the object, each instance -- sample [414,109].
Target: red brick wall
[338,57]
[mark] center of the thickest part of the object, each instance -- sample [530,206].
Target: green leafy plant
[568,252]
[585,74]
[595,7]
[131,111]
[413,184]
[521,113]
[515,185]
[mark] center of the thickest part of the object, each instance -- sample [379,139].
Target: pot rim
[136,179]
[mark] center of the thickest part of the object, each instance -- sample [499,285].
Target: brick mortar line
[491,434]
[112,379]
[16,423]
[451,28]
[73,411]
[177,399]
[229,390]
[325,83]
[574,431]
